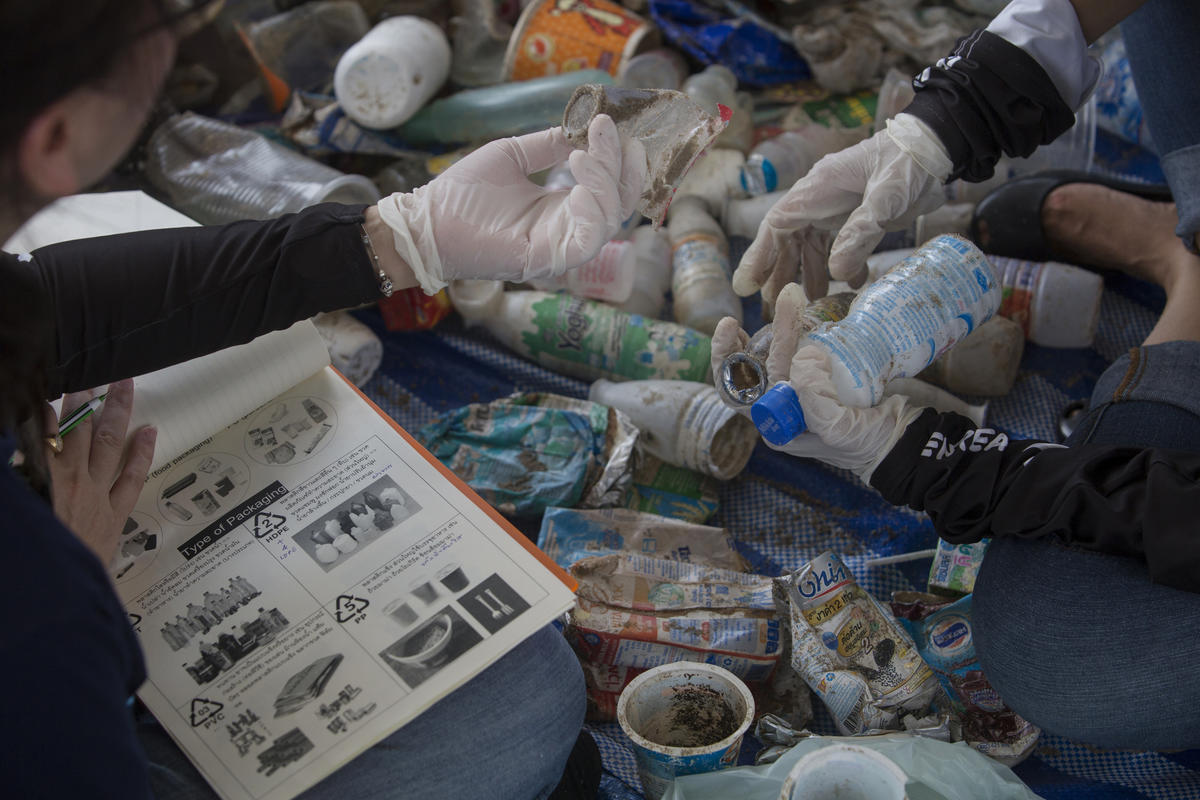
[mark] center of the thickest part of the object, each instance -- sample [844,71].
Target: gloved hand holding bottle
[483,218]
[1009,89]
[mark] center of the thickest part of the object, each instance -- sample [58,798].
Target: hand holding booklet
[304,577]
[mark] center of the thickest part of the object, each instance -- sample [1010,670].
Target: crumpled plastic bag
[755,55]
[936,771]
[527,452]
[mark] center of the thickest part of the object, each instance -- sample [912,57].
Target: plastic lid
[778,415]
[759,176]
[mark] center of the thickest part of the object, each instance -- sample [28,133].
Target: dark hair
[47,51]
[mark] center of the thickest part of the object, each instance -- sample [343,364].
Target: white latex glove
[850,198]
[483,217]
[856,439]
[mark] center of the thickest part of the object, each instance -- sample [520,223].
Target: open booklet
[304,577]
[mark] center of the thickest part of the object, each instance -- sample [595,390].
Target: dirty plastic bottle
[742,376]
[581,337]
[777,163]
[898,325]
[1056,305]
[701,285]
[715,176]
[741,216]
[652,277]
[389,74]
[985,363]
[683,423]
[506,109]
[608,277]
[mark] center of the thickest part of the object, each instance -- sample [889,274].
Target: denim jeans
[506,733]
[1082,643]
[1162,39]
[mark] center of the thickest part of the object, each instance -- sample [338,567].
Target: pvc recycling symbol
[202,709]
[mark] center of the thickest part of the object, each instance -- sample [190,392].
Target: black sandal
[1008,222]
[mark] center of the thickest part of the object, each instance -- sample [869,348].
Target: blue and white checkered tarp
[782,511]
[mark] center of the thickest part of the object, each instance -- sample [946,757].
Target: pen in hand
[70,421]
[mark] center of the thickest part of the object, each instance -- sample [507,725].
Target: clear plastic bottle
[684,423]
[505,109]
[581,337]
[701,285]
[652,277]
[898,325]
[742,377]
[777,163]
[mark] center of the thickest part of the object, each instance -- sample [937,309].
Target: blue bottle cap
[778,415]
[770,176]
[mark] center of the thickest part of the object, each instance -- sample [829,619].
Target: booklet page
[308,581]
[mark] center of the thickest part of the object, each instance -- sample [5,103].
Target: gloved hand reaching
[850,197]
[856,439]
[483,217]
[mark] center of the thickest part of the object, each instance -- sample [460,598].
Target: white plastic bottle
[389,74]
[701,276]
[1056,305]
[683,423]
[898,325]
[741,216]
[776,163]
[652,276]
[715,176]
[608,277]
[581,337]
[985,363]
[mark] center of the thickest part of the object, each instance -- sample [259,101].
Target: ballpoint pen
[80,414]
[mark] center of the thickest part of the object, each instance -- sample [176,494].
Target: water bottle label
[573,331]
[700,255]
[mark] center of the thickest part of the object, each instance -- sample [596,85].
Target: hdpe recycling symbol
[265,522]
[202,709]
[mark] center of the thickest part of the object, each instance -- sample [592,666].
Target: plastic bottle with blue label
[897,327]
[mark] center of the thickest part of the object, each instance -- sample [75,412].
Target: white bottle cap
[1066,309]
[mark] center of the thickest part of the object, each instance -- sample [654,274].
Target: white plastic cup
[389,74]
[683,423]
[841,771]
[647,712]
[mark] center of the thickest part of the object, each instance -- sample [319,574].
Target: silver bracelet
[385,283]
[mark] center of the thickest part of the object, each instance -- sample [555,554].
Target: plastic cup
[844,772]
[671,713]
[549,39]
[389,74]
[453,577]
[217,173]
[425,591]
[401,612]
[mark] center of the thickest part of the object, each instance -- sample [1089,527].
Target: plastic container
[666,711]
[716,176]
[584,338]
[742,377]
[1056,305]
[216,173]
[655,69]
[652,276]
[608,277]
[506,109]
[777,163]
[480,41]
[683,423]
[985,363]
[741,216]
[701,286]
[844,772]
[553,36]
[389,74]
[716,86]
[898,325]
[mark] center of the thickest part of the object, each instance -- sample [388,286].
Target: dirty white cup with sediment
[842,771]
[684,423]
[684,718]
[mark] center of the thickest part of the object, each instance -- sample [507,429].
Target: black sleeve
[128,304]
[989,97]
[976,483]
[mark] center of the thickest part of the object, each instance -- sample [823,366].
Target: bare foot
[1088,224]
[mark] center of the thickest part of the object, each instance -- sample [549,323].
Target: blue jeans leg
[1082,643]
[507,733]
[1162,39]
